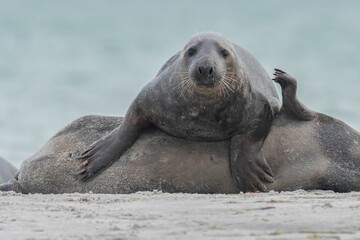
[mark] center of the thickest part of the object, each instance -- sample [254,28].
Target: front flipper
[108,149]
[248,165]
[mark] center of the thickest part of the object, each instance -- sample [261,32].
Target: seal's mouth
[205,85]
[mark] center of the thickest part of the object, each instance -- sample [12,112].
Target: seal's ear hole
[225,53]
[191,52]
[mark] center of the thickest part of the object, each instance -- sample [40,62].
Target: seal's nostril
[207,71]
[200,70]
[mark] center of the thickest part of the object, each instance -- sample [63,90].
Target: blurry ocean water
[60,60]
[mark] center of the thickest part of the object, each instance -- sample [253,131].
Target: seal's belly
[194,132]
[197,133]
[200,119]
[189,127]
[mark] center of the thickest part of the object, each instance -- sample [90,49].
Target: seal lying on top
[212,90]
[305,149]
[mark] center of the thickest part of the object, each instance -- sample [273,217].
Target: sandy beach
[156,215]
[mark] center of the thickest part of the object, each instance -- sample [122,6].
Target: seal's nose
[205,70]
[205,74]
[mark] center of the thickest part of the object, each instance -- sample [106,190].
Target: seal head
[208,64]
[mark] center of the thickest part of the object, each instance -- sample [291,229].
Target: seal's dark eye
[225,53]
[191,52]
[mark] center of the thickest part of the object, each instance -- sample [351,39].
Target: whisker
[222,88]
[228,87]
[185,87]
[230,80]
[197,34]
[222,92]
[188,89]
[181,84]
[235,82]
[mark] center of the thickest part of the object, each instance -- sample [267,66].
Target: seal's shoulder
[169,62]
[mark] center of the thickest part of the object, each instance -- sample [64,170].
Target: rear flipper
[12,185]
[291,106]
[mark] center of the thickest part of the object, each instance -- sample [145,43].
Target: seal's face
[210,64]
